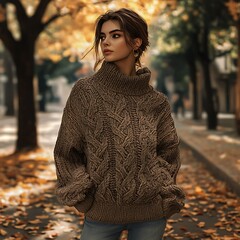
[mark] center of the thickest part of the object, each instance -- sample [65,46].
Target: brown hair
[133,26]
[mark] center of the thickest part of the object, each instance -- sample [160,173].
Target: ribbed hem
[123,214]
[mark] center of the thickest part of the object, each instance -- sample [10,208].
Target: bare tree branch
[20,12]
[103,1]
[40,10]
[7,37]
[53,18]
[18,5]
[42,26]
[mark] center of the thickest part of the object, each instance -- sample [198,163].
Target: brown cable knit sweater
[117,153]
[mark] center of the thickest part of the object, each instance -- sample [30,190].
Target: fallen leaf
[201,224]
[42,216]
[36,221]
[3,232]
[210,231]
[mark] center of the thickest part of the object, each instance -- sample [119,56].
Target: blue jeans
[152,230]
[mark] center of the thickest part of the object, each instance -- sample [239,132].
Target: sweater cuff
[173,200]
[85,205]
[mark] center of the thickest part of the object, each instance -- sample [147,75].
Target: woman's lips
[106,52]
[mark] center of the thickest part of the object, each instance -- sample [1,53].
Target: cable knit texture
[117,152]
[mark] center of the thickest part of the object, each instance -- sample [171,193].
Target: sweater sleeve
[168,141]
[169,158]
[74,186]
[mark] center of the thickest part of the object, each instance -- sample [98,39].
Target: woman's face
[113,43]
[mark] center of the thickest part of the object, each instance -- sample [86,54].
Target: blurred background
[194,57]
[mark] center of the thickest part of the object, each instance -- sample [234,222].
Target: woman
[117,153]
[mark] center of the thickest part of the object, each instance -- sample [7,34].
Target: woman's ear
[137,43]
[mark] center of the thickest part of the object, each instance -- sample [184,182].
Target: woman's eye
[116,35]
[102,38]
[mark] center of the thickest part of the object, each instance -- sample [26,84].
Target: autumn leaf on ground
[3,232]
[201,224]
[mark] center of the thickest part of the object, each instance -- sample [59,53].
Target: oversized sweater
[117,151]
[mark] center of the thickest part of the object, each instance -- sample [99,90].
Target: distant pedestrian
[117,151]
[178,103]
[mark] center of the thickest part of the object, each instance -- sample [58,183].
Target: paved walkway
[219,150]
[48,125]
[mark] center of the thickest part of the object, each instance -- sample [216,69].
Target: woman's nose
[106,42]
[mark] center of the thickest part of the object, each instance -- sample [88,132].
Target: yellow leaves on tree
[234,9]
[71,34]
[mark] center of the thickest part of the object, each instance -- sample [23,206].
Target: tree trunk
[211,112]
[195,92]
[27,130]
[42,89]
[192,56]
[193,76]
[209,104]
[237,111]
[9,86]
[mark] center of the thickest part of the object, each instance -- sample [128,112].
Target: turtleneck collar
[111,78]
